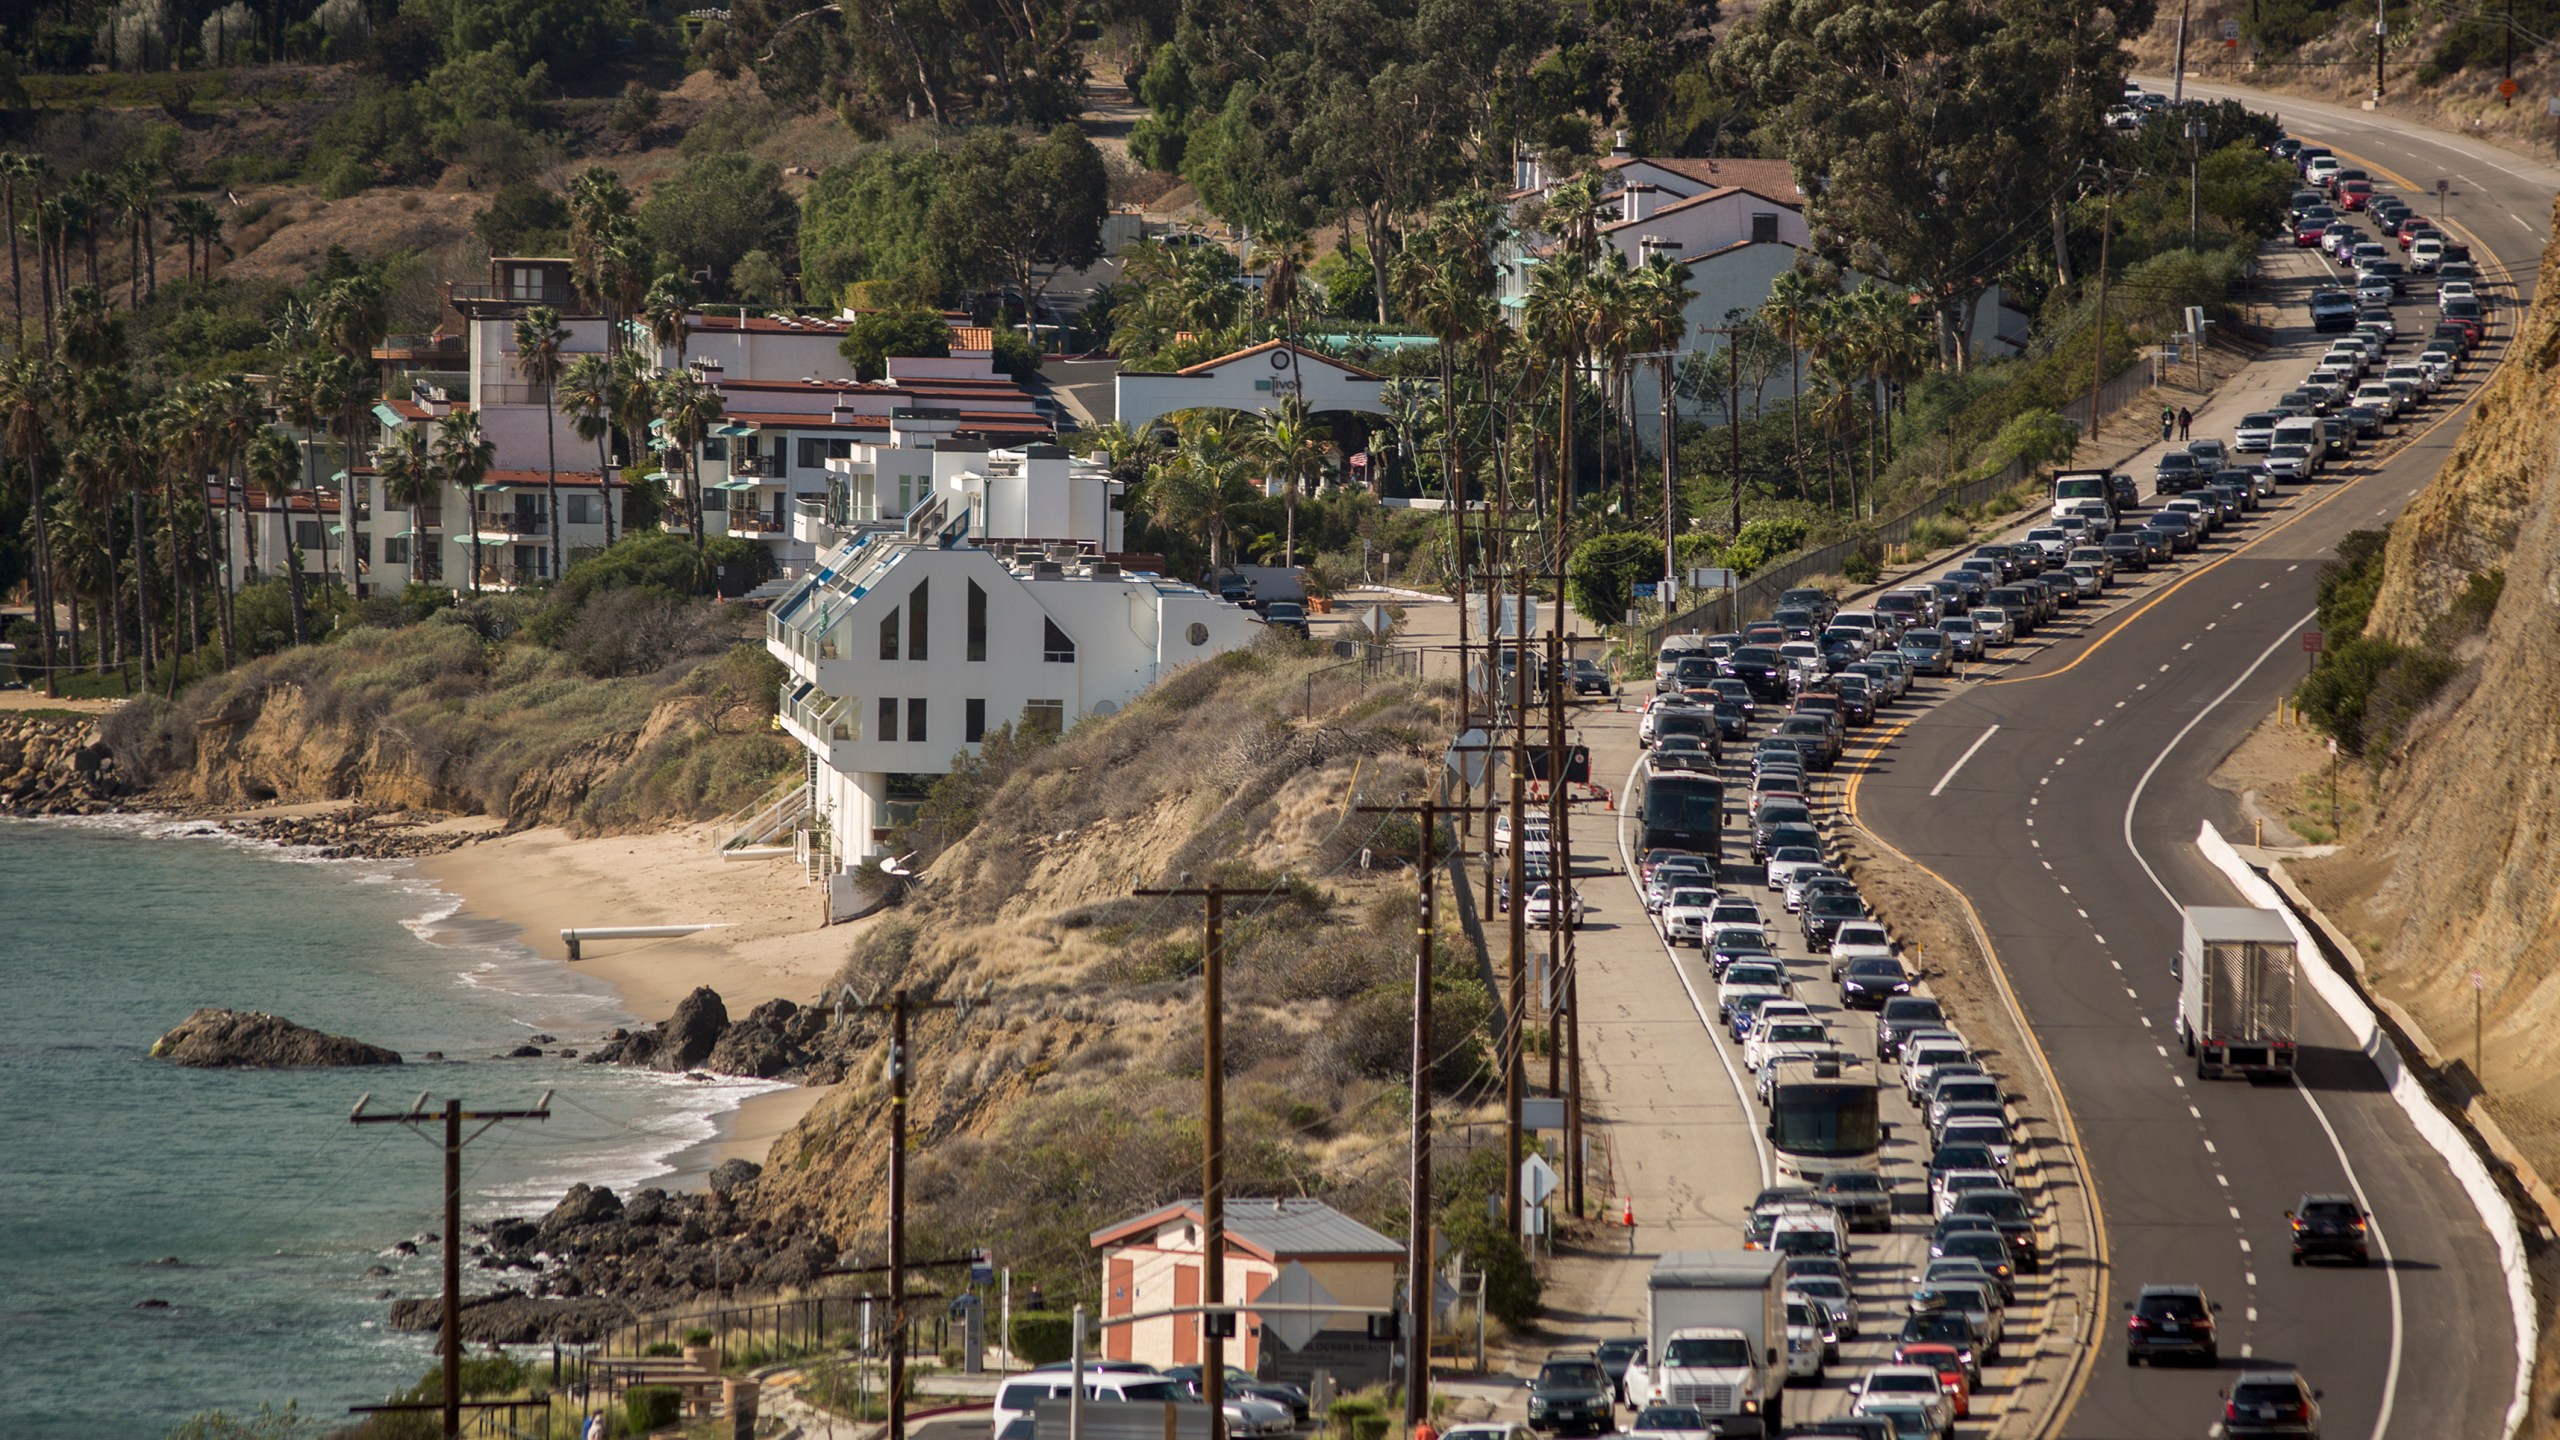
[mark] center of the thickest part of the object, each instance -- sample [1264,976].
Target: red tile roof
[764,325]
[1773,178]
[1705,197]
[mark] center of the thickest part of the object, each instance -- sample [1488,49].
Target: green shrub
[651,1407]
[1604,571]
[1043,1337]
[1934,532]
[1864,566]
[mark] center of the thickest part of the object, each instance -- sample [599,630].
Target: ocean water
[270,1202]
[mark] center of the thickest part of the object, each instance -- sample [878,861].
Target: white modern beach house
[996,596]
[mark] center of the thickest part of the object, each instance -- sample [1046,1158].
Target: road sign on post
[1295,1285]
[2312,641]
[1470,757]
[1538,1180]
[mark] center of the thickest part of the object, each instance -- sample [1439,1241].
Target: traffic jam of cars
[1896,1285]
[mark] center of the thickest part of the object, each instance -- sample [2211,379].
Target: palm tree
[1661,321]
[1559,318]
[586,388]
[198,226]
[597,201]
[690,408]
[1129,448]
[237,417]
[274,469]
[304,399]
[1291,446]
[634,403]
[88,200]
[463,455]
[351,315]
[667,307]
[410,481]
[137,201]
[540,338]
[27,391]
[15,170]
[1206,478]
[96,481]
[1792,299]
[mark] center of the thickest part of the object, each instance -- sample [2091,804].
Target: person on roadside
[2168,422]
[2186,418]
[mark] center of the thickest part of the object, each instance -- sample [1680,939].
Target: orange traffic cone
[1630,1218]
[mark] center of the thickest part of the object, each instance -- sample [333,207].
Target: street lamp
[2195,149]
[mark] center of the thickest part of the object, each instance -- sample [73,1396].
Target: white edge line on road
[1967,755]
[2391,1373]
[1741,1095]
[2497,1216]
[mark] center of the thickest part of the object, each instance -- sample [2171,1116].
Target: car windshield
[1912,1012]
[2329,1210]
[1998,1204]
[1797,1030]
[1714,1352]
[1671,1417]
[1885,1382]
[2279,1392]
[1865,1182]
[1157,1390]
[2170,1307]
[1754,975]
[1570,1374]
[1796,855]
[1962,1157]
[1875,966]
[1976,1245]
[1822,905]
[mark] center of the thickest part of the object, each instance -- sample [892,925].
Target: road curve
[2055,826]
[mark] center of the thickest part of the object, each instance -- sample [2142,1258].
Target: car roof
[2195,1290]
[2309,1200]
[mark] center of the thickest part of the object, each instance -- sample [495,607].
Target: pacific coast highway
[2063,798]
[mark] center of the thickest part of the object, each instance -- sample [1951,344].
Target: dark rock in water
[730,1176]
[154,1303]
[523,1052]
[384,1294]
[376,1272]
[428,1237]
[512,1234]
[568,1054]
[406,1247]
[217,1039]
[682,1043]
[649,1207]
[511,1317]
[546,1039]
[168,1262]
[432,1055]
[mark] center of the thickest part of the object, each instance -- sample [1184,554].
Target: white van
[1121,1381]
[2303,430]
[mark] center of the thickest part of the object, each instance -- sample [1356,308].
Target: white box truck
[1716,1337]
[2235,991]
[2084,493]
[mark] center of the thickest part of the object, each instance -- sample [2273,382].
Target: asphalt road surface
[2071,827]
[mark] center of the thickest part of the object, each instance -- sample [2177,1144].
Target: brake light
[2137,1323]
[2230,1409]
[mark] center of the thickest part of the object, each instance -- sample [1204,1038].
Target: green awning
[658,424]
[486,539]
[490,485]
[661,477]
[736,430]
[337,529]
[735,484]
[662,443]
[338,479]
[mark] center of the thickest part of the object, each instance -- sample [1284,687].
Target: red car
[2306,235]
[2353,194]
[1949,1363]
[2412,228]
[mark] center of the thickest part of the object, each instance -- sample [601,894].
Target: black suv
[2169,1320]
[1901,1015]
[2329,1225]
[1571,1396]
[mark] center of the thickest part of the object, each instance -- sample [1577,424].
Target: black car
[1759,667]
[1902,1015]
[1239,1382]
[1614,1357]
[1733,722]
[1869,981]
[2011,1214]
[1844,1427]
[2180,536]
[2124,493]
[1984,1248]
[1863,1198]
[2271,1405]
[1823,915]
[1571,1396]
[1946,1327]
[2127,551]
[2329,1225]
[1286,615]
[1589,679]
[2170,1320]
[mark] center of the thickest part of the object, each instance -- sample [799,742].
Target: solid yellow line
[2084,1359]
[2261,537]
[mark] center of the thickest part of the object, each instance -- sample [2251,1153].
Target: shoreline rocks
[777,1040]
[216,1039]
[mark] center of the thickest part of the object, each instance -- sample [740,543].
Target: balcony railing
[755,467]
[753,522]
[510,574]
[513,522]
[561,296]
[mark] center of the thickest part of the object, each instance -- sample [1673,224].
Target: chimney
[842,413]
[1631,204]
[1619,150]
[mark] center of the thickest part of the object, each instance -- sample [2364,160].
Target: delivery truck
[2085,493]
[1716,1338]
[2235,991]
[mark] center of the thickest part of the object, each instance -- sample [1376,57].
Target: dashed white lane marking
[2529,230]
[2190,645]
[2081,740]
[2222,1180]
[2084,914]
[2120,965]
[2289,569]
[2164,669]
[2236,604]
[2145,685]
[2045,863]
[2244,1249]
[2246,1352]
[2102,940]
[2178,1080]
[2101,720]
[2210,624]
[2252,1313]
[2119,704]
[2234,1209]
[2250,1276]
[2146,1022]
[2163,1049]
[2209,1150]
[2065,889]
[2263,584]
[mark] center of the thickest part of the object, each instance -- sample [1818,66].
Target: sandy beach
[769,942]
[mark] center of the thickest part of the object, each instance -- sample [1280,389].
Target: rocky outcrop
[512,1317]
[55,765]
[776,1039]
[684,1042]
[252,1040]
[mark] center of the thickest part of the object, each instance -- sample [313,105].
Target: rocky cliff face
[2464,873]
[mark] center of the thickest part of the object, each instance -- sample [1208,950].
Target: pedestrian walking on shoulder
[2186,418]
[2168,422]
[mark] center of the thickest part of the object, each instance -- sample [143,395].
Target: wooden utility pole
[899,1007]
[1417,1336]
[2098,340]
[416,1116]
[1216,1324]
